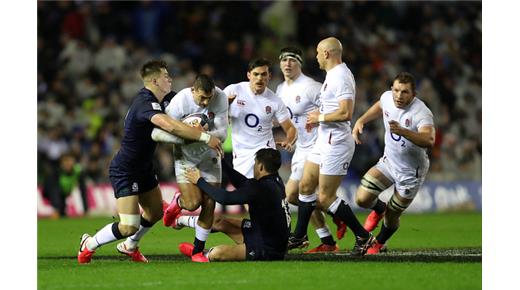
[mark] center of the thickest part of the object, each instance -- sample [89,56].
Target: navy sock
[347,216]
[380,207]
[199,246]
[385,234]
[328,240]
[304,215]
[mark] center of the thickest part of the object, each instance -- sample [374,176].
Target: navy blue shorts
[255,249]
[127,185]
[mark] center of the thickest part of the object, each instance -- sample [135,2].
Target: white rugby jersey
[301,97]
[402,153]
[183,104]
[252,116]
[339,85]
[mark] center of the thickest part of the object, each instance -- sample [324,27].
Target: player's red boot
[199,258]
[323,248]
[172,211]
[186,248]
[84,254]
[134,254]
[372,220]
[376,249]
[341,228]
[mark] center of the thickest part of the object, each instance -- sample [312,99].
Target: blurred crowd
[89,55]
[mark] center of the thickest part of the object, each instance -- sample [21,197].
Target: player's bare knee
[324,200]
[191,204]
[307,186]
[216,254]
[364,200]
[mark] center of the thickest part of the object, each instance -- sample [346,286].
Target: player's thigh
[151,202]
[191,196]
[232,227]
[309,181]
[328,185]
[372,184]
[291,191]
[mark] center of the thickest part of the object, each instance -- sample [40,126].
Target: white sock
[323,232]
[188,221]
[132,241]
[104,236]
[201,233]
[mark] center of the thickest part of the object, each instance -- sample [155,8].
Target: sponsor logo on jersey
[135,187]
[324,86]
[298,99]
[407,122]
[156,106]
[387,114]
[166,103]
[241,102]
[268,109]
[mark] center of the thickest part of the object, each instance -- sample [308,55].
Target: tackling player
[131,170]
[301,94]
[252,111]
[203,97]
[262,237]
[409,131]
[330,158]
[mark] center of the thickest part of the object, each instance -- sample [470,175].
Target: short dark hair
[270,158]
[152,67]
[405,78]
[203,82]
[259,62]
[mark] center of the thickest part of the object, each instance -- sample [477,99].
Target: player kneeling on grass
[265,235]
[409,131]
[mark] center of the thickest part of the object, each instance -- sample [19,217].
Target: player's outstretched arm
[159,135]
[184,131]
[239,196]
[372,113]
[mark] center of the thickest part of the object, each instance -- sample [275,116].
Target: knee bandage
[133,220]
[372,184]
[397,205]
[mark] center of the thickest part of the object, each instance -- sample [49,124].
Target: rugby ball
[196,118]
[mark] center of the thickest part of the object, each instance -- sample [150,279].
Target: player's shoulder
[421,107]
[221,98]
[386,96]
[236,86]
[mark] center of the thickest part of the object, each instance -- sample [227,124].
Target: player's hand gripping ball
[197,120]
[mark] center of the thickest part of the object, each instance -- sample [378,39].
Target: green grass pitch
[430,251]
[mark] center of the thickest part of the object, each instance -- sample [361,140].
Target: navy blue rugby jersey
[137,147]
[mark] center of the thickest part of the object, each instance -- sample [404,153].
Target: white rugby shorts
[333,159]
[207,162]
[297,162]
[407,181]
